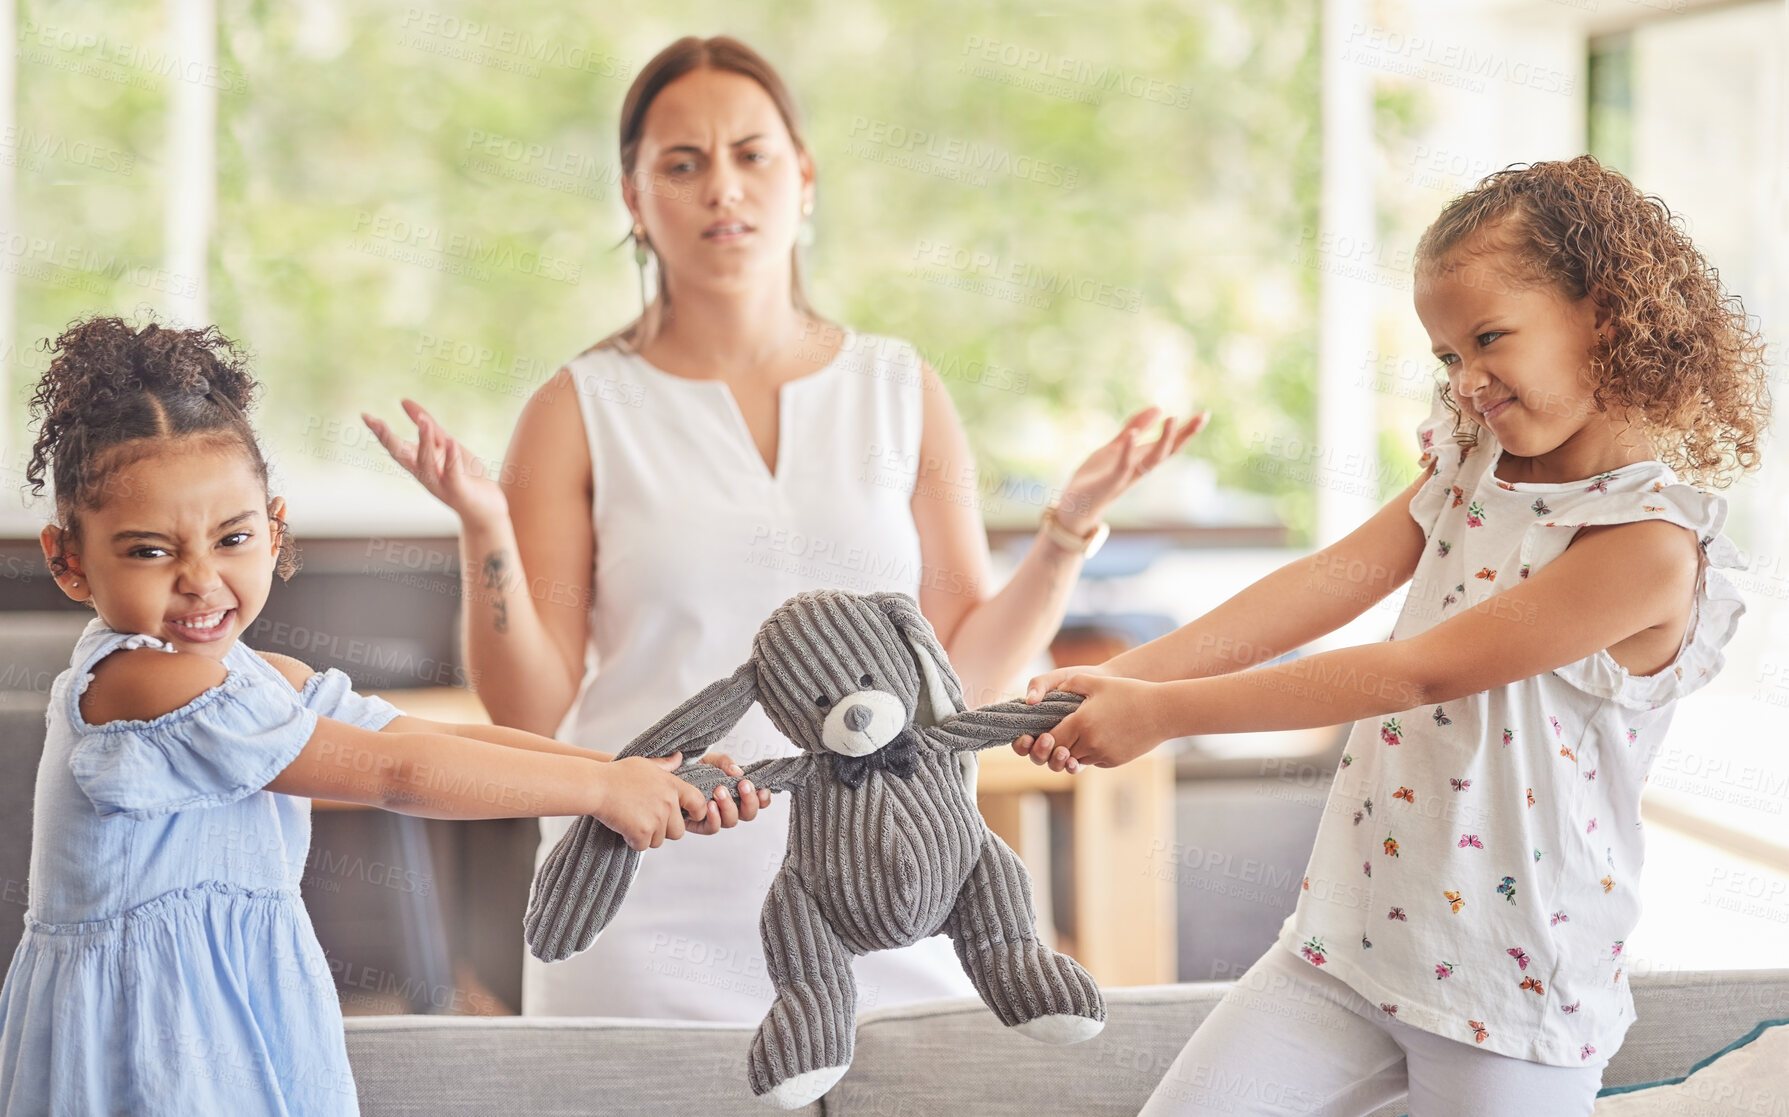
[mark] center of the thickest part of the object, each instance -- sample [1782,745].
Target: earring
[804,235]
[640,259]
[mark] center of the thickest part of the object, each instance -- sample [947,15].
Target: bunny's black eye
[865,681]
[822,701]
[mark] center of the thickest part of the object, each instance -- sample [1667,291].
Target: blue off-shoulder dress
[168,965]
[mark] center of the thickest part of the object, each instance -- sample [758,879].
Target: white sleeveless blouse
[696,543]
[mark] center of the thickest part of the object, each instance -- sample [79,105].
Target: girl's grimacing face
[1516,351]
[181,547]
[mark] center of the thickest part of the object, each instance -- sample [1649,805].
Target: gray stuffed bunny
[886,846]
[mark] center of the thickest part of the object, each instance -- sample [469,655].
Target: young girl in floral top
[1459,931]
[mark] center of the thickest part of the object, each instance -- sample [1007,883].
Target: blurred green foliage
[1073,212]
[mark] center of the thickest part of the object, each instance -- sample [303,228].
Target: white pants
[1291,1039]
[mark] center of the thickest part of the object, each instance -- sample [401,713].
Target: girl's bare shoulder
[141,684]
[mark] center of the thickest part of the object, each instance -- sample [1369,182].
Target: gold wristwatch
[1084,545]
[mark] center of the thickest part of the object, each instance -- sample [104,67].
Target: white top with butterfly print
[1475,867]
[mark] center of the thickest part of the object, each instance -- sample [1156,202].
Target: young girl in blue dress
[168,965]
[1459,933]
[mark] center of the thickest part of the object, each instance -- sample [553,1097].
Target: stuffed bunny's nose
[858,717]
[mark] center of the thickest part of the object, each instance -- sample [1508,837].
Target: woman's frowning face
[719,184]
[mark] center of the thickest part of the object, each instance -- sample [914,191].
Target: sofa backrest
[933,1060]
[474,1066]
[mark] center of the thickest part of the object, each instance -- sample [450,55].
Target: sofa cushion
[955,1058]
[1683,1018]
[533,1066]
[1749,1076]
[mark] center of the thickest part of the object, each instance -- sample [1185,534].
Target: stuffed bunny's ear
[940,691]
[702,719]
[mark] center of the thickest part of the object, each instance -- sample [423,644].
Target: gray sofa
[935,1060]
[941,1059]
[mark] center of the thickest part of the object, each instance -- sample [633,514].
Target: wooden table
[1123,910]
[1122,926]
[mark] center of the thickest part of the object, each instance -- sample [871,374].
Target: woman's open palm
[444,466]
[1116,466]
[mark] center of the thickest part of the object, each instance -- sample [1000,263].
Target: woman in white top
[668,488]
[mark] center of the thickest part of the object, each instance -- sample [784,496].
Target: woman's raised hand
[1117,465]
[444,466]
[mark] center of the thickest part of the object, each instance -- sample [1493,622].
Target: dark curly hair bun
[113,389]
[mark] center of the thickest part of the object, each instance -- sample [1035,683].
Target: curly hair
[1680,350]
[113,390]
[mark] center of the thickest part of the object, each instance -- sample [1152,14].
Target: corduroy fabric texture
[880,859]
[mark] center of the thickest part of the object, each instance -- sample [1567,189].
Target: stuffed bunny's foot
[1030,987]
[804,1044]
[1060,1028]
[803,1089]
